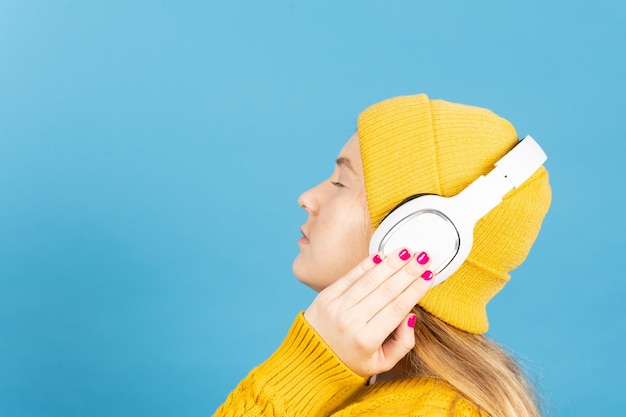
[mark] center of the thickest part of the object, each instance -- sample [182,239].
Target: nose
[308,201]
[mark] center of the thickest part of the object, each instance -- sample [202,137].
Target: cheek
[353,233]
[348,240]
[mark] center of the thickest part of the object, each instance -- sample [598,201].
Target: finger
[342,284]
[368,282]
[387,319]
[392,287]
[400,343]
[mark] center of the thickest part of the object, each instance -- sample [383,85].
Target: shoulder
[443,398]
[416,397]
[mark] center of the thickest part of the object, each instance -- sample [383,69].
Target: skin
[337,232]
[363,309]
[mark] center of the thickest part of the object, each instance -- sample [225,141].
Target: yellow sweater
[305,378]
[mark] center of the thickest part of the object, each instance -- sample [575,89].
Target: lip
[304,239]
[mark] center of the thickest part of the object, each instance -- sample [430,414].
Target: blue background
[151,155]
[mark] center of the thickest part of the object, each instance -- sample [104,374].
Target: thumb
[401,341]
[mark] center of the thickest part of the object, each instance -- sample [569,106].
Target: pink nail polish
[376,259]
[411,321]
[427,275]
[422,258]
[404,254]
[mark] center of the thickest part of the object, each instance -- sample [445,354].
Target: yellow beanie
[413,145]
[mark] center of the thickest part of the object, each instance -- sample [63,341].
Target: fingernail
[376,259]
[411,321]
[422,258]
[427,275]
[404,254]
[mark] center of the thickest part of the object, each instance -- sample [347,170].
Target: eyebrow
[345,162]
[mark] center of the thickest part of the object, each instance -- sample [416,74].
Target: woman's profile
[379,338]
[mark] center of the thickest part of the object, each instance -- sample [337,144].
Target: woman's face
[336,234]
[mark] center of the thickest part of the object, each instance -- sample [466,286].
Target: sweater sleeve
[302,378]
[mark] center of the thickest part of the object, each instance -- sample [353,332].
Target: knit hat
[413,145]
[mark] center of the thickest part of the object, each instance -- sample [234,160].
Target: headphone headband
[487,191]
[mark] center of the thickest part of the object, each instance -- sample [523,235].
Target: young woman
[378,340]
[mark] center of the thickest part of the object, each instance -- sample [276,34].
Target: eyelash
[337,184]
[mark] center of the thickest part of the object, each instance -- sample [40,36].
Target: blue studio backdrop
[151,155]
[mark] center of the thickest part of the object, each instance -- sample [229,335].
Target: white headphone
[444,226]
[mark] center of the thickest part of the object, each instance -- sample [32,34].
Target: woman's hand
[356,314]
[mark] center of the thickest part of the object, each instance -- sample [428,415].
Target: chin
[304,278]
[302,275]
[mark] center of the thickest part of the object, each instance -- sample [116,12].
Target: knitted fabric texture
[413,145]
[305,378]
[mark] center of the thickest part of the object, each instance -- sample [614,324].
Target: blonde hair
[480,370]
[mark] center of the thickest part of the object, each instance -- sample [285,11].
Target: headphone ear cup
[425,230]
[420,224]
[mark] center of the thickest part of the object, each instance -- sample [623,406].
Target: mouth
[304,239]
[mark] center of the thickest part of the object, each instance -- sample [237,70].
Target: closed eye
[337,184]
